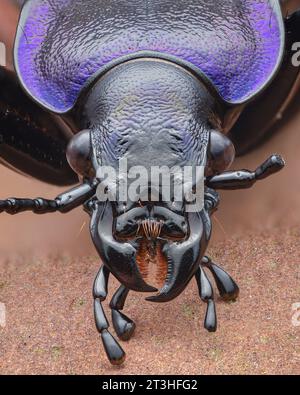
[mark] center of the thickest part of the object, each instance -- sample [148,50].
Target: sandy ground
[47,267]
[50,326]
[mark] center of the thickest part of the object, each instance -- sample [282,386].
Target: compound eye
[221,155]
[79,153]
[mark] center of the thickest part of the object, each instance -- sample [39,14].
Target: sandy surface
[47,266]
[50,325]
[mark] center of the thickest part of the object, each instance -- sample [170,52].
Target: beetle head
[149,112]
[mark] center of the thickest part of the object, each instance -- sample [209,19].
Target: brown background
[47,266]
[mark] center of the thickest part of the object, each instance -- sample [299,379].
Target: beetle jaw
[183,259]
[118,257]
[125,258]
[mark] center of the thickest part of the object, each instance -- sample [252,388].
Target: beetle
[169,83]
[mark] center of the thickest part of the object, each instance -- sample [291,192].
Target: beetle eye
[221,155]
[79,154]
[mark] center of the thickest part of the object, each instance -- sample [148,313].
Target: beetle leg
[211,201]
[123,325]
[244,179]
[38,206]
[114,351]
[63,203]
[207,295]
[228,289]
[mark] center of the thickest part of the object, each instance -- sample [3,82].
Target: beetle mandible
[161,82]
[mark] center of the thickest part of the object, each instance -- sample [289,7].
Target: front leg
[114,351]
[207,295]
[62,203]
[228,289]
[244,179]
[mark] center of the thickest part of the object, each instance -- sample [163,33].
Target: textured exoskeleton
[174,83]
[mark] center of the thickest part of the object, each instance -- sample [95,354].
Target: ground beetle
[158,82]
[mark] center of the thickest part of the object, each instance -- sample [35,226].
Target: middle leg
[113,350]
[227,287]
[123,325]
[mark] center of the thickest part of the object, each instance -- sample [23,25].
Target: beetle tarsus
[123,325]
[207,295]
[114,351]
[210,323]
